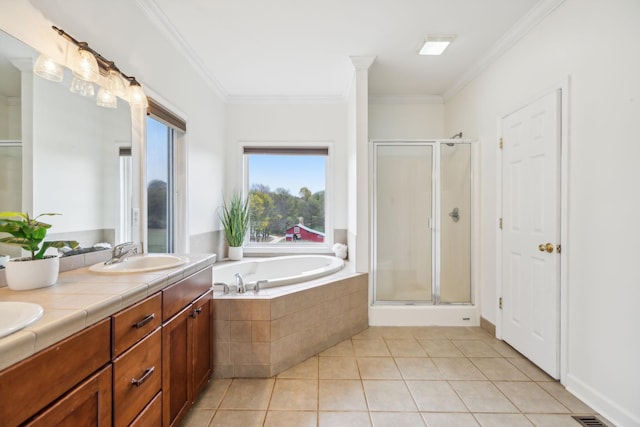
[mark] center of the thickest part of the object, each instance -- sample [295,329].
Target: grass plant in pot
[38,270]
[235,221]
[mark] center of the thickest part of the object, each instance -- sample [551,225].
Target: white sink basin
[140,264]
[16,315]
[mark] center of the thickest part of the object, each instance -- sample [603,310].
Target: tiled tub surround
[260,335]
[81,298]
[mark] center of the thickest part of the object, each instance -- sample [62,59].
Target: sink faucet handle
[119,248]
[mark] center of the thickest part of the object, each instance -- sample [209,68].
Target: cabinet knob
[196,311]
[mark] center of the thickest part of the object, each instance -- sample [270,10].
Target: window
[159,186]
[164,129]
[287,188]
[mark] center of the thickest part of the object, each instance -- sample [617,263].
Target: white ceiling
[294,49]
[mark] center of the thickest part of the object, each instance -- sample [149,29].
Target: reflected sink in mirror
[139,264]
[16,315]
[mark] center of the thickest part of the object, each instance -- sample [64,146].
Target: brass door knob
[545,247]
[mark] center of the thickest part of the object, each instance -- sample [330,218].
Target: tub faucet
[121,252]
[240,287]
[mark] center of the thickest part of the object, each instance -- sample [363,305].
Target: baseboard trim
[488,326]
[604,406]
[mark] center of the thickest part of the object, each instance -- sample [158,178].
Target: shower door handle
[455,214]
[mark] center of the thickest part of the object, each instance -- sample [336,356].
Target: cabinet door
[202,341]
[88,404]
[177,367]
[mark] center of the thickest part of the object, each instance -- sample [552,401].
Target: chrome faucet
[121,252]
[240,287]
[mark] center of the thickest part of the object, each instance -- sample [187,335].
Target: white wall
[595,44]
[304,123]
[411,120]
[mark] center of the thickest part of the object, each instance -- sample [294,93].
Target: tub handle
[225,287]
[256,287]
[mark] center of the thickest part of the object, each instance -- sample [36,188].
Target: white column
[359,209]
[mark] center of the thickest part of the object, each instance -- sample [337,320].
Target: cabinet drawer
[45,376]
[179,295]
[136,378]
[151,415]
[134,323]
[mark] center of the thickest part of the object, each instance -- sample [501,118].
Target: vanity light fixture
[49,69]
[136,94]
[82,87]
[106,99]
[86,64]
[116,84]
[435,45]
[90,67]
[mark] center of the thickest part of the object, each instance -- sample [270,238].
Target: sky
[290,172]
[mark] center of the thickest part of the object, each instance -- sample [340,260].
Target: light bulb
[86,66]
[137,96]
[116,85]
[82,87]
[106,99]
[48,69]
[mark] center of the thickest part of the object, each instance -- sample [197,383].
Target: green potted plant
[38,270]
[235,221]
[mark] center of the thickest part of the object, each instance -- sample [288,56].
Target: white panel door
[531,231]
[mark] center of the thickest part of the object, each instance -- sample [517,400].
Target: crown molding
[506,42]
[285,99]
[406,99]
[157,16]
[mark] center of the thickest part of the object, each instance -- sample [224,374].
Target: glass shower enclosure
[422,222]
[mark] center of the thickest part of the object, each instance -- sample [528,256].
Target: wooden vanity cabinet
[143,366]
[34,383]
[187,342]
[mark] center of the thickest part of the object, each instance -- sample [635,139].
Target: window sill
[259,251]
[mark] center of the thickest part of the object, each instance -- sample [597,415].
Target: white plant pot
[235,253]
[26,273]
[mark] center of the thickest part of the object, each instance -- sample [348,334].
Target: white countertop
[81,298]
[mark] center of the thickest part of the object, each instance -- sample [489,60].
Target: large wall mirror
[60,152]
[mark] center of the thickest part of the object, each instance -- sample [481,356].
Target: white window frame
[258,249]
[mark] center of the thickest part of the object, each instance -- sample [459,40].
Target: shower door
[403,213]
[422,222]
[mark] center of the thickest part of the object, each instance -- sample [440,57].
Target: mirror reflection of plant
[29,233]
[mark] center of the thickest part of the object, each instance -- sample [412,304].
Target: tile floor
[397,376]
